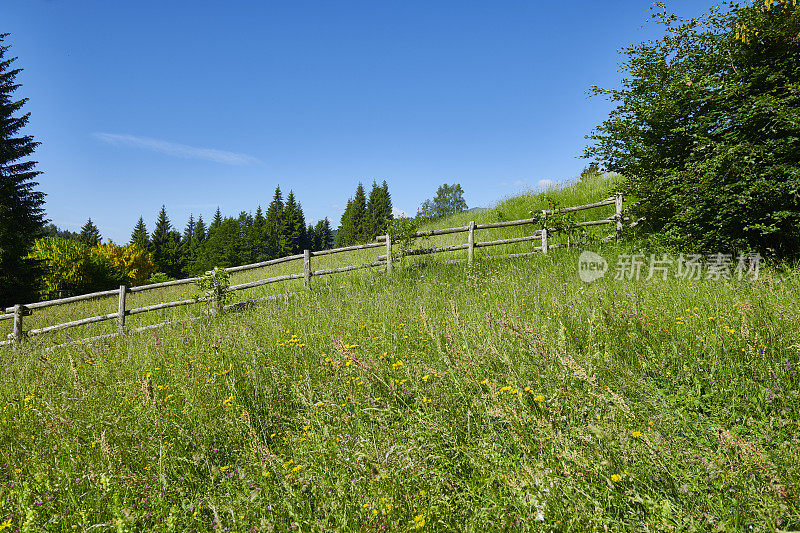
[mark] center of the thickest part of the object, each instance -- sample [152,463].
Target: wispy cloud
[177,150]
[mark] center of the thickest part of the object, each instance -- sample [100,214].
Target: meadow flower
[636,434]
[615,477]
[419,521]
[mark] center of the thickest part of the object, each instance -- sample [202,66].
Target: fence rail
[17,312]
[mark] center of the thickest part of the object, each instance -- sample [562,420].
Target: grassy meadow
[505,396]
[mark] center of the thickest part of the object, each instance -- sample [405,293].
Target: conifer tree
[273,226]
[294,232]
[354,226]
[90,235]
[21,213]
[345,236]
[323,234]
[139,236]
[215,222]
[166,246]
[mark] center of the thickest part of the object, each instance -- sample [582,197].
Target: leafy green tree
[449,200]
[21,213]
[139,235]
[51,230]
[706,129]
[90,235]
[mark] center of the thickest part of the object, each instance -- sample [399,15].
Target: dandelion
[419,521]
[636,434]
[539,398]
[615,477]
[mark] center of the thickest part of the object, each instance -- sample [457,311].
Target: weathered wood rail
[18,311]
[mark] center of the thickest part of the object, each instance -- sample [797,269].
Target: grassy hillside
[514,208]
[506,396]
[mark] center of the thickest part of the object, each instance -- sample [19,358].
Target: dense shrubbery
[706,127]
[73,267]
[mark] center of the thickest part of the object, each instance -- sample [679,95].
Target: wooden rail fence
[18,311]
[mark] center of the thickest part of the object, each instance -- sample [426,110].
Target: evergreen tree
[188,245]
[51,230]
[255,238]
[345,236]
[215,222]
[323,234]
[354,226]
[139,236]
[273,226]
[21,213]
[200,230]
[166,246]
[90,235]
[379,212]
[294,229]
[311,238]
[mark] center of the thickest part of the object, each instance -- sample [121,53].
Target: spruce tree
[90,235]
[166,246]
[294,230]
[139,235]
[21,213]
[273,226]
[360,226]
[345,233]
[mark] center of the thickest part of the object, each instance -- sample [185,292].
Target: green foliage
[214,285]
[139,235]
[21,213]
[166,246]
[90,235]
[71,266]
[364,219]
[449,200]
[706,128]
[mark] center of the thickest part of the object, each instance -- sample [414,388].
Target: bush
[706,128]
[72,267]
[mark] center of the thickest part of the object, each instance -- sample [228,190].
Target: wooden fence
[19,311]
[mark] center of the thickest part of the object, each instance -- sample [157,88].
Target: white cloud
[546,184]
[177,150]
[520,183]
[399,213]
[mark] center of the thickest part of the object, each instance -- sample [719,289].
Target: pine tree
[311,238]
[379,211]
[323,234]
[166,246]
[188,245]
[273,226]
[90,235]
[139,236]
[21,213]
[215,222]
[345,235]
[294,230]
[255,238]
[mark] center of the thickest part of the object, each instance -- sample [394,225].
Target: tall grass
[507,396]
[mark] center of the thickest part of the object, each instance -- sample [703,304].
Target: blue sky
[202,104]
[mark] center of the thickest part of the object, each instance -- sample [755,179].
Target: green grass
[506,396]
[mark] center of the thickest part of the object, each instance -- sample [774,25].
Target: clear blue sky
[203,104]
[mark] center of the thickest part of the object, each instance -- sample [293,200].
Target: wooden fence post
[471,241]
[618,204]
[544,232]
[306,269]
[18,331]
[215,294]
[389,255]
[123,290]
